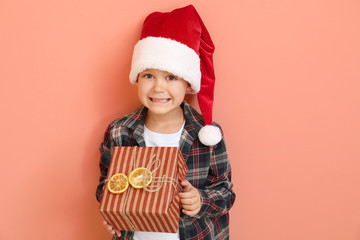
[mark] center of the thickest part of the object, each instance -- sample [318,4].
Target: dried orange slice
[118,183]
[140,176]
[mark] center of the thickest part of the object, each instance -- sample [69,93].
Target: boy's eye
[171,77]
[148,76]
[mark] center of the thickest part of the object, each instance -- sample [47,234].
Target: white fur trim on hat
[166,55]
[210,135]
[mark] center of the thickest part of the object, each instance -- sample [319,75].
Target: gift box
[154,205]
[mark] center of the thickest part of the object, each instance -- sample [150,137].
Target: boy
[173,58]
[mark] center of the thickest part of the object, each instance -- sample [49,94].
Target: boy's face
[161,92]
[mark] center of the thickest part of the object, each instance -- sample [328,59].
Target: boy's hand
[190,199]
[110,228]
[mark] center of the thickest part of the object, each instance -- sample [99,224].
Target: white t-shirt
[154,139]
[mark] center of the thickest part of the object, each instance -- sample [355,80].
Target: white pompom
[210,135]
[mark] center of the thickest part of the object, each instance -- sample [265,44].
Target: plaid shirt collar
[193,123]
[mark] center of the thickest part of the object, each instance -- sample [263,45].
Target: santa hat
[178,42]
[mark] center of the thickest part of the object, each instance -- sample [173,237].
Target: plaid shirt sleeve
[105,158]
[210,172]
[218,196]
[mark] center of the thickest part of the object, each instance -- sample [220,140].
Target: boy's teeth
[159,99]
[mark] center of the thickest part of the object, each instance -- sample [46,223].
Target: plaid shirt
[208,170]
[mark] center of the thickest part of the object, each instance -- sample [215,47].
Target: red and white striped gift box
[140,209]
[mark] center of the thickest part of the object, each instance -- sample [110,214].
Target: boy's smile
[160,100]
[162,93]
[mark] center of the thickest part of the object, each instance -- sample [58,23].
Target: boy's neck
[165,123]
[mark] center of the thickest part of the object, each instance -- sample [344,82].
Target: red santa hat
[178,42]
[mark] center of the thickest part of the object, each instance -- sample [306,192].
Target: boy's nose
[159,84]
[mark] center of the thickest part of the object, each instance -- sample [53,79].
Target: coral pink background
[287,97]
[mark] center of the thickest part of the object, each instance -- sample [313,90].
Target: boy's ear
[189,89]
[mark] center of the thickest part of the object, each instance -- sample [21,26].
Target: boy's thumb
[186,185]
